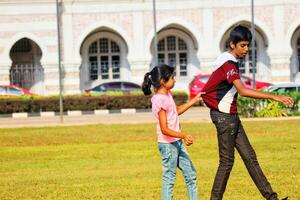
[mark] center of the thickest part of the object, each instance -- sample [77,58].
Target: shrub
[249,107]
[273,109]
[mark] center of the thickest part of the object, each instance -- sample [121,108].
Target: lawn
[114,162]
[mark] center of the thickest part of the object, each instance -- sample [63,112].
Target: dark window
[130,86]
[173,51]
[290,89]
[105,59]
[93,68]
[22,46]
[104,67]
[116,86]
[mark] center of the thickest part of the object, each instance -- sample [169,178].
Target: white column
[4,73]
[209,49]
[51,78]
[279,49]
[139,63]
[71,75]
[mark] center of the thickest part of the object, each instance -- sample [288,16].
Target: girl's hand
[188,139]
[197,98]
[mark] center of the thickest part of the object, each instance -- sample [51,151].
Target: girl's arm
[182,108]
[169,132]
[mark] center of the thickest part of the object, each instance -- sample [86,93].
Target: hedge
[81,102]
[247,107]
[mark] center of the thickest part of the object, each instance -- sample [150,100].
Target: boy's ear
[232,45]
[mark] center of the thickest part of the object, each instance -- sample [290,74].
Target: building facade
[105,41]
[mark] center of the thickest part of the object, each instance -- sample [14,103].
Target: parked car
[115,86]
[284,87]
[197,84]
[200,80]
[258,84]
[13,90]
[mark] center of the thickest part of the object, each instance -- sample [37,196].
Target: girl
[170,144]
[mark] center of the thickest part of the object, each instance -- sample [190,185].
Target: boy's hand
[188,139]
[197,98]
[288,101]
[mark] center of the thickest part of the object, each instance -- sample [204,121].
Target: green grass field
[122,162]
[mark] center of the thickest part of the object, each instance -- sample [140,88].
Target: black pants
[231,135]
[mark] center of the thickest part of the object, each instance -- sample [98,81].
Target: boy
[221,96]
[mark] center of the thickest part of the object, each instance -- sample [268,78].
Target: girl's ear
[162,82]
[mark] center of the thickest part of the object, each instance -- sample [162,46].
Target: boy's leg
[249,157]
[189,172]
[226,130]
[169,155]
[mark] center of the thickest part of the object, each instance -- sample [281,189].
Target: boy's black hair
[240,33]
[159,72]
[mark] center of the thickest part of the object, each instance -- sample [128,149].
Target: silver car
[284,87]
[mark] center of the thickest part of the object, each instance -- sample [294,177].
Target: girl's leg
[169,155]
[189,172]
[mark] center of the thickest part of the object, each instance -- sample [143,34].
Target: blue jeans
[175,155]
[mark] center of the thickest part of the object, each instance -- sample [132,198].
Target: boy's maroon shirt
[220,93]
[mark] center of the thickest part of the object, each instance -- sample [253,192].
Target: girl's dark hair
[152,78]
[240,33]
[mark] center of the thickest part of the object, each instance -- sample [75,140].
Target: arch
[179,23]
[263,29]
[292,29]
[26,70]
[85,82]
[100,25]
[294,61]
[31,36]
[263,68]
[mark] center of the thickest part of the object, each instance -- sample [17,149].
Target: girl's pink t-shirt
[165,102]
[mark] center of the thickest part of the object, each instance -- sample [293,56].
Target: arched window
[104,58]
[26,70]
[246,64]
[173,51]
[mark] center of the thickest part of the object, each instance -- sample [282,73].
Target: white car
[284,87]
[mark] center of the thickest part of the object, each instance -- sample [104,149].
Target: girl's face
[170,83]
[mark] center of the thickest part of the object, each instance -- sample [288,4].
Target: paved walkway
[194,114]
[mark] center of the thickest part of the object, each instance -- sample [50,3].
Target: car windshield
[14,91]
[2,90]
[204,79]
[243,78]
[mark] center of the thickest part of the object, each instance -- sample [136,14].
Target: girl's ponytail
[146,86]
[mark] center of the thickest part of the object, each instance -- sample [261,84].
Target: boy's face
[240,49]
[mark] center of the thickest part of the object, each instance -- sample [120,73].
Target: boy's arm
[169,132]
[243,91]
[182,108]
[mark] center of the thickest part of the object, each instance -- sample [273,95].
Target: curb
[75,113]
